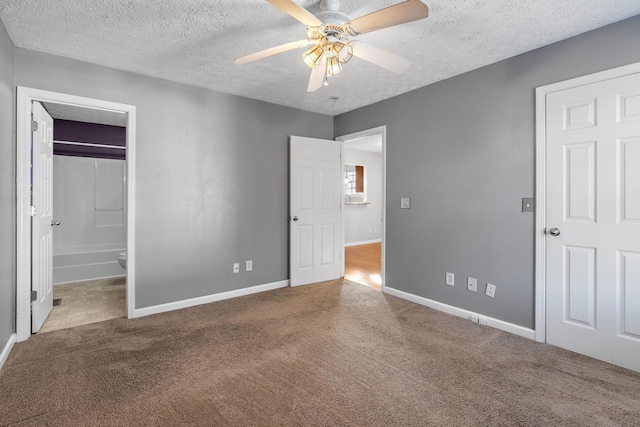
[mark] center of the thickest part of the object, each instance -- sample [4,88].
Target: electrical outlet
[249,265]
[491,290]
[472,284]
[236,267]
[449,279]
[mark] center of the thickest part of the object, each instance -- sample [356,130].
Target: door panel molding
[541,166]
[314,209]
[25,96]
[42,219]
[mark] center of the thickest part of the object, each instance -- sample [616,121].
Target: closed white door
[593,220]
[42,219]
[314,209]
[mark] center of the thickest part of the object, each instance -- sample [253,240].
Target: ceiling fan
[332,37]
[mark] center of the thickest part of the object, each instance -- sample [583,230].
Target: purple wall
[91,133]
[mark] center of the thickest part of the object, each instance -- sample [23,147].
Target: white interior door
[42,219]
[314,209]
[593,202]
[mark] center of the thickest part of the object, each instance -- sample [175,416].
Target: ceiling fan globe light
[333,66]
[312,56]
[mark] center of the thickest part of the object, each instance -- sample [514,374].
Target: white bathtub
[80,264]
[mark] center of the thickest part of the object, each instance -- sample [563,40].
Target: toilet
[122,260]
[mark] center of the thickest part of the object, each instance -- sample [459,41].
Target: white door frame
[541,167]
[25,96]
[380,130]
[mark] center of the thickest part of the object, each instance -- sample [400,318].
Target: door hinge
[33,211]
[34,126]
[34,296]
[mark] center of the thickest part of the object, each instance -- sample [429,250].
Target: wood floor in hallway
[363,264]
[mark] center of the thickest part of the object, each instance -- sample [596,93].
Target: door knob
[55,223]
[554,231]
[295,218]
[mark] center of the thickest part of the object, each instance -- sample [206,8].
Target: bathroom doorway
[363,213]
[77,262]
[89,216]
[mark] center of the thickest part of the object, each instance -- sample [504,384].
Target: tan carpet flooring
[320,355]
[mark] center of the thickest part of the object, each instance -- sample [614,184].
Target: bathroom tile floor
[87,302]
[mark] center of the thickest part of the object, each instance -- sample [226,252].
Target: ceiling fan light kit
[312,56]
[333,36]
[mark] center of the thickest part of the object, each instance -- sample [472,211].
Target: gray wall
[364,222]
[7,190]
[212,176]
[463,150]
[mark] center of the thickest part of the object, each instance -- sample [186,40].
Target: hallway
[363,264]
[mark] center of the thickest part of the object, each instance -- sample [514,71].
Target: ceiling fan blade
[271,51]
[318,75]
[294,9]
[407,11]
[381,58]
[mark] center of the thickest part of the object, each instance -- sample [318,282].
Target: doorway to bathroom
[90,201]
[363,213]
[89,216]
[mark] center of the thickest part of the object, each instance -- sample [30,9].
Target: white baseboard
[7,349]
[364,242]
[460,312]
[162,308]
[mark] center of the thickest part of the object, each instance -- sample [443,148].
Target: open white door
[42,216]
[593,220]
[314,209]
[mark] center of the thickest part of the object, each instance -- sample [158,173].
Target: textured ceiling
[195,41]
[85,114]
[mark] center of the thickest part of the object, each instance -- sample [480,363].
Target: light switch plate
[405,203]
[528,205]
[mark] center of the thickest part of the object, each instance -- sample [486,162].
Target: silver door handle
[56,223]
[554,231]
[295,219]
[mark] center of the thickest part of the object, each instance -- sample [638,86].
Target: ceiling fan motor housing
[334,20]
[333,17]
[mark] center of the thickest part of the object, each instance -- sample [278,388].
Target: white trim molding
[177,305]
[25,96]
[7,349]
[541,195]
[466,314]
[364,242]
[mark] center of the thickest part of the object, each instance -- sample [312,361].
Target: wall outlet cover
[236,267]
[450,279]
[491,290]
[405,203]
[472,284]
[249,265]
